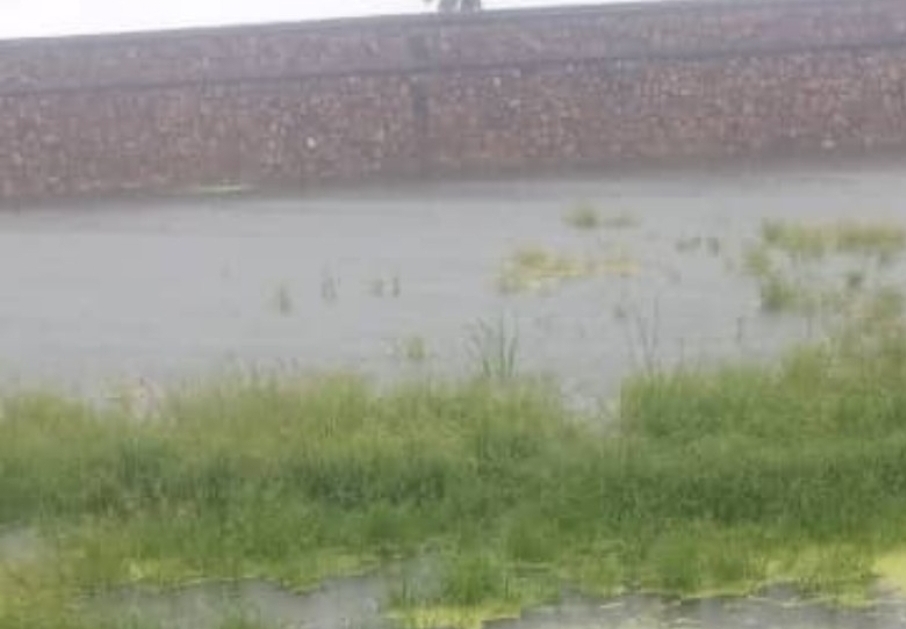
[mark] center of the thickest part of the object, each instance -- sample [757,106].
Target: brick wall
[293,105]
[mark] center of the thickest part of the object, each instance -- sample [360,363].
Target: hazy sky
[27,18]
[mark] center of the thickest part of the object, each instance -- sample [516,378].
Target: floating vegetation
[791,262]
[531,269]
[799,240]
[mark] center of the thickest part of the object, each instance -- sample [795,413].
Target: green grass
[494,350]
[711,481]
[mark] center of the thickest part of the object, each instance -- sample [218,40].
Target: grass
[710,482]
[494,350]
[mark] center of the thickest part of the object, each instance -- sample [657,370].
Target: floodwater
[170,290]
[361,603]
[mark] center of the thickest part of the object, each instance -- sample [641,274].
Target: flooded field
[766,491]
[376,281]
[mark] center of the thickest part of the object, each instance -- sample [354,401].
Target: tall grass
[711,481]
[494,349]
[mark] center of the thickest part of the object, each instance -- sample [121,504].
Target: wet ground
[376,280]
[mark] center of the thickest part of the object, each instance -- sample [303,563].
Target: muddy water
[176,289]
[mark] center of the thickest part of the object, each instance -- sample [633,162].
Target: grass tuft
[494,350]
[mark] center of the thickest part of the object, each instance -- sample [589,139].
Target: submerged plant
[414,349]
[329,287]
[283,300]
[584,216]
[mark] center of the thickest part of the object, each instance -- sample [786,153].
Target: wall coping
[391,22]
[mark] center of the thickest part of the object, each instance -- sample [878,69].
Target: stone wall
[292,105]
